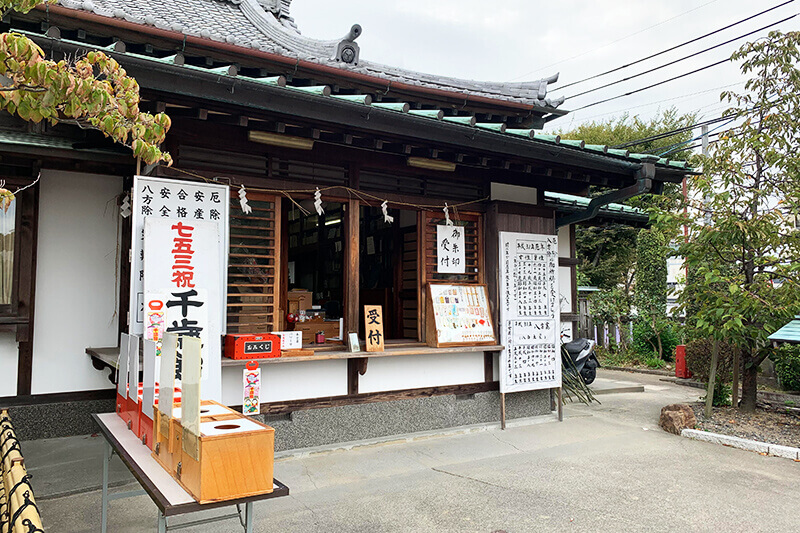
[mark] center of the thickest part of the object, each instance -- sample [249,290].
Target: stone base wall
[313,427]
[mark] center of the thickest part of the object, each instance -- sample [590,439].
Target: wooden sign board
[373,328]
[458,315]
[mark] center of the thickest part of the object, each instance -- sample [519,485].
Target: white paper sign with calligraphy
[450,258]
[530,321]
[175,199]
[181,278]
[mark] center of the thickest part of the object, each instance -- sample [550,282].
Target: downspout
[644,184]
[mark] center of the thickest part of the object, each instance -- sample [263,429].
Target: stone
[677,417]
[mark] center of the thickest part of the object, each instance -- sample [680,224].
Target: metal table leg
[248,517]
[108,452]
[162,523]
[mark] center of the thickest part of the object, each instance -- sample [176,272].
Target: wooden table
[170,498]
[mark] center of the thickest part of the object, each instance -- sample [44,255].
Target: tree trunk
[749,381]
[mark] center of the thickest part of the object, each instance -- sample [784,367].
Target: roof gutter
[294,64]
[644,184]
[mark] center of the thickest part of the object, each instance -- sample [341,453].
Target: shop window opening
[388,269]
[315,269]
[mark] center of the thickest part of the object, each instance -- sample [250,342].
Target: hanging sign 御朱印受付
[450,243]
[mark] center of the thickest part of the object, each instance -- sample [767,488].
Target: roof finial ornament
[347,50]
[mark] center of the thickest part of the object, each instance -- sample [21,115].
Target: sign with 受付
[450,258]
[173,199]
[530,315]
[373,328]
[182,282]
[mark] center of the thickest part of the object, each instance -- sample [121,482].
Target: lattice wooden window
[254,265]
[473,235]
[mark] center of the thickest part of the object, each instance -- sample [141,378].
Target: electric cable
[665,100]
[682,58]
[695,71]
[680,45]
[614,42]
[672,132]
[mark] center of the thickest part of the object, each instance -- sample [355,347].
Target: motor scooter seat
[576,346]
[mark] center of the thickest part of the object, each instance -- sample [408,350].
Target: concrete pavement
[607,467]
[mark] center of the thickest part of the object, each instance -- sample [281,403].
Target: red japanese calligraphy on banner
[182,252]
[182,281]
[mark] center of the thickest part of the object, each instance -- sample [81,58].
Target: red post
[681,371]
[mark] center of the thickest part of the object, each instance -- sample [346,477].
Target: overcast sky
[520,40]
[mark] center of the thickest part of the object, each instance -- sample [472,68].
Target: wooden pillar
[351,285]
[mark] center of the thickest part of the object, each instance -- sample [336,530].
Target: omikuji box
[167,448]
[249,346]
[235,460]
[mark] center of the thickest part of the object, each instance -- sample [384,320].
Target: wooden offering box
[235,460]
[168,434]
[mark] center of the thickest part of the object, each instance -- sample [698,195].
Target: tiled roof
[266,25]
[674,168]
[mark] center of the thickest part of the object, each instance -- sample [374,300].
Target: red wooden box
[252,346]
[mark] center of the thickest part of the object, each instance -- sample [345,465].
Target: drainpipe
[644,184]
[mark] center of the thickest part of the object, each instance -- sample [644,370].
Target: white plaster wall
[417,371]
[8,364]
[563,241]
[75,280]
[565,289]
[289,381]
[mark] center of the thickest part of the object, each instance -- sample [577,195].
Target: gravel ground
[773,426]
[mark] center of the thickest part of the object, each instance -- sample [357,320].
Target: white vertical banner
[122,365]
[174,199]
[450,244]
[166,375]
[182,278]
[530,316]
[133,368]
[149,373]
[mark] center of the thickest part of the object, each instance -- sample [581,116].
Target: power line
[681,45]
[613,42]
[672,148]
[654,85]
[672,132]
[665,100]
[682,58]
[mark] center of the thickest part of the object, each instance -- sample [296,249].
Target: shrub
[722,395]
[698,359]
[787,366]
[654,362]
[645,341]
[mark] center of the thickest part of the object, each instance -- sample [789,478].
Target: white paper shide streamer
[125,207]
[447,221]
[318,202]
[386,216]
[246,209]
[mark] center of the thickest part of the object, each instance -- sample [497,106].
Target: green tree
[742,242]
[607,252]
[650,291]
[92,91]
[613,306]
